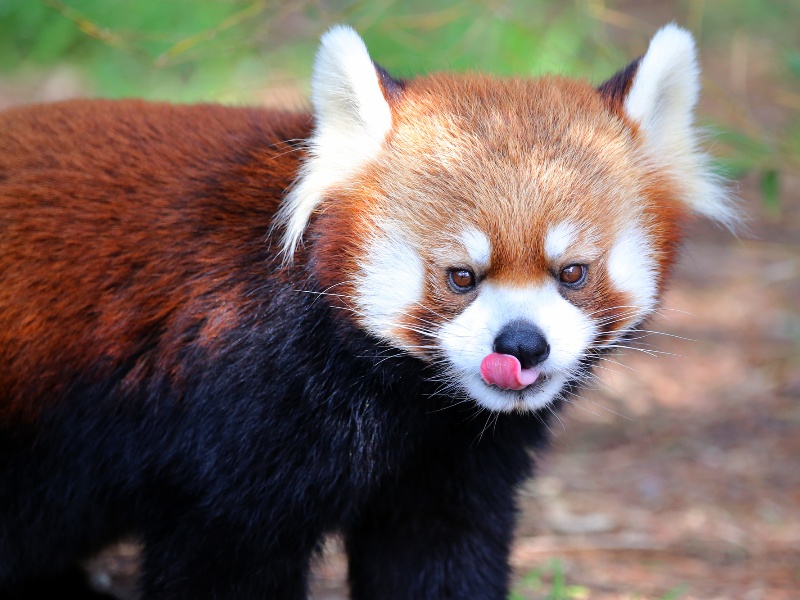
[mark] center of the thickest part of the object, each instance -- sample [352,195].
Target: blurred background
[679,476]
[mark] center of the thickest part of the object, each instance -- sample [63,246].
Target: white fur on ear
[352,118]
[661,99]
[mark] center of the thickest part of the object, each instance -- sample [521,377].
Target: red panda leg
[195,560]
[443,530]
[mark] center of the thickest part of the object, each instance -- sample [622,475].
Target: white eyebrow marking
[478,246]
[633,269]
[558,239]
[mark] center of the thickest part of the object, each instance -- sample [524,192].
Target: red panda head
[507,231]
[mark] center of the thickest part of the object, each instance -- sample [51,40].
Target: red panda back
[120,221]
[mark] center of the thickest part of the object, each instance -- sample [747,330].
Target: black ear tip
[392,88]
[616,89]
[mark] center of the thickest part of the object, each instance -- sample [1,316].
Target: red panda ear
[352,115]
[346,88]
[617,87]
[659,93]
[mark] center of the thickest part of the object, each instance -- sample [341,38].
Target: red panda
[231,331]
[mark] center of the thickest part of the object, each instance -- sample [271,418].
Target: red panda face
[506,231]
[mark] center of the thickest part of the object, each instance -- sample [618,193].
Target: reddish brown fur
[76,195]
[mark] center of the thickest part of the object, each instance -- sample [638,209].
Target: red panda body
[231,331]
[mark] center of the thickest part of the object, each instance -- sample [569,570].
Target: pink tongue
[504,371]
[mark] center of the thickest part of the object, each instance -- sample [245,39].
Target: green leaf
[770,191]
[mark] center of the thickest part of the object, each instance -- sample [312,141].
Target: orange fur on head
[510,158]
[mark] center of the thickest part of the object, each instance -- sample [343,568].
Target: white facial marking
[469,338]
[558,239]
[478,246]
[390,280]
[632,269]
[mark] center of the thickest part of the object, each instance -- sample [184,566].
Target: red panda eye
[461,280]
[573,274]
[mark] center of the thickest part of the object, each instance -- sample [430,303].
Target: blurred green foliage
[194,49]
[550,581]
[175,49]
[232,50]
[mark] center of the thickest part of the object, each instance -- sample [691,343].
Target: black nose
[523,340]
